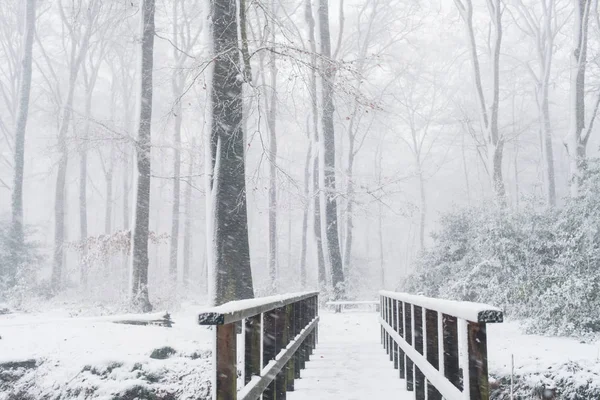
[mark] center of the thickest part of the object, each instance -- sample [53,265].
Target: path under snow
[349,362]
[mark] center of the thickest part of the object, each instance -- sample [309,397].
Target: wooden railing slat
[432,346]
[252,347]
[418,345]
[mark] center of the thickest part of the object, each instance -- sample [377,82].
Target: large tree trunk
[230,246]
[576,140]
[139,278]
[17,232]
[328,147]
[316,190]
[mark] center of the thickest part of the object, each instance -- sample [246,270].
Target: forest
[178,154]
[157,152]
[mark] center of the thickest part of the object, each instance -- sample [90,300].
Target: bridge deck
[349,362]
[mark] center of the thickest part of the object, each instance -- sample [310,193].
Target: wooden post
[303,350]
[401,355]
[390,321]
[408,339]
[269,348]
[395,327]
[451,361]
[281,341]
[418,345]
[432,345]
[252,347]
[226,360]
[479,387]
[297,328]
[289,319]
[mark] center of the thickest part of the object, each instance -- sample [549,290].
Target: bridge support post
[291,329]
[478,369]
[226,362]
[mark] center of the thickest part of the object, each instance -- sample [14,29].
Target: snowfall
[56,355]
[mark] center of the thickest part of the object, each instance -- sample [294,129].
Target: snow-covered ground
[94,358]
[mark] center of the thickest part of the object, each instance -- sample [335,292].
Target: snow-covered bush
[540,264]
[25,265]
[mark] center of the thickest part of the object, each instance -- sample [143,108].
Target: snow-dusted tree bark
[17,235]
[315,146]
[139,273]
[494,141]
[578,136]
[230,246]
[78,50]
[332,241]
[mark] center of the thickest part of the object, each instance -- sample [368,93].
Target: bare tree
[186,30]
[139,272]
[332,242]
[79,35]
[493,139]
[578,135]
[17,234]
[230,252]
[542,29]
[315,146]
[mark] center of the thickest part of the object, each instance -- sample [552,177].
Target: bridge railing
[438,346]
[280,332]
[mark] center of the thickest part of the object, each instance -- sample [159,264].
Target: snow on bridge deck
[349,362]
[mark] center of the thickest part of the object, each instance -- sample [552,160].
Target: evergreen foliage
[539,264]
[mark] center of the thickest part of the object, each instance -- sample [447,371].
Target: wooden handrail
[285,328]
[438,345]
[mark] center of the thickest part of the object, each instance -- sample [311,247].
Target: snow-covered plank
[237,310]
[475,312]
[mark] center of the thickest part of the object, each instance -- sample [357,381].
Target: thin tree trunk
[331,217]
[187,228]
[176,86]
[322,273]
[83,164]
[307,164]
[576,142]
[272,122]
[59,199]
[139,279]
[17,234]
[228,210]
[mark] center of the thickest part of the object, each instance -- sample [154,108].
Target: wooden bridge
[432,349]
